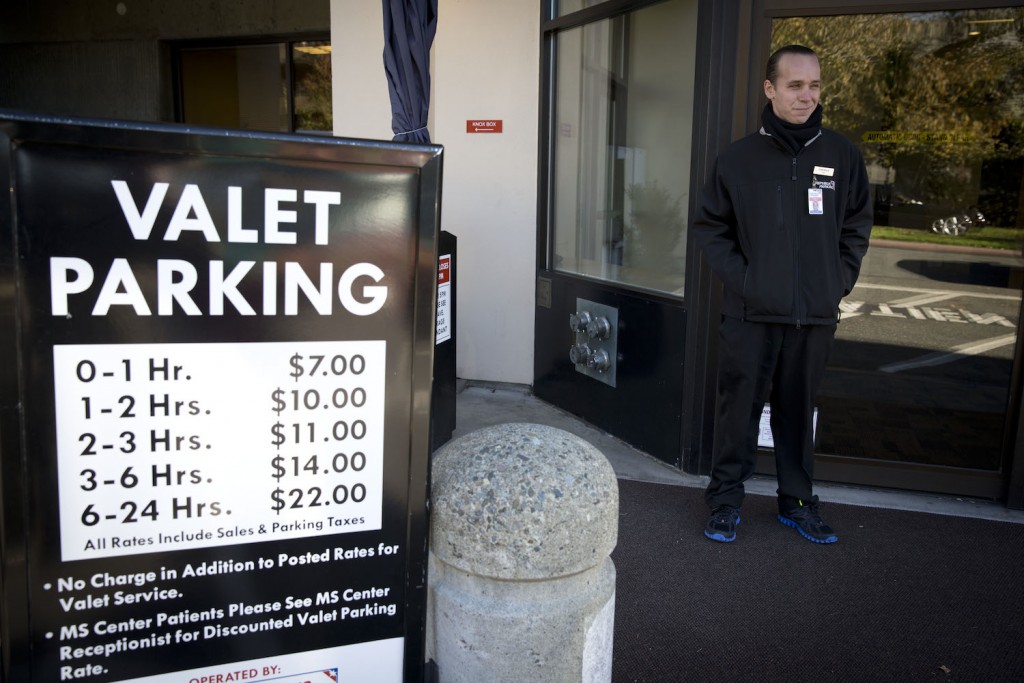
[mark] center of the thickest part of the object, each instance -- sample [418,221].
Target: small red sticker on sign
[444,270]
[483,126]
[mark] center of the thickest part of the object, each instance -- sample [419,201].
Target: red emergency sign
[444,270]
[483,126]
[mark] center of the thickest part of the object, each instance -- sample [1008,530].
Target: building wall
[485,65]
[105,79]
[52,21]
[76,58]
[359,86]
[107,60]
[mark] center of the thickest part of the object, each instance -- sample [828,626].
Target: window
[621,119]
[272,87]
[923,359]
[564,7]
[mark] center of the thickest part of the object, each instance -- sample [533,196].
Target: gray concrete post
[521,585]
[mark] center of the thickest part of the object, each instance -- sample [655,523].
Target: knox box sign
[214,403]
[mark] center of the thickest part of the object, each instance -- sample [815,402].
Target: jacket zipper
[796,249]
[796,242]
[796,294]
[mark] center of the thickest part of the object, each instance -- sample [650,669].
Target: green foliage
[656,223]
[919,72]
[944,88]
[313,88]
[1006,239]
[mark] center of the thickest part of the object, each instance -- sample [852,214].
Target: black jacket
[780,262]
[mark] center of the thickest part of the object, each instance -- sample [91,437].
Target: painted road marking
[954,354]
[922,290]
[914,306]
[853,309]
[926,298]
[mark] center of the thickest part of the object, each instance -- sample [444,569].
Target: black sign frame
[49,166]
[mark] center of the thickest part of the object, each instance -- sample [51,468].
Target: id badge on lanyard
[815,201]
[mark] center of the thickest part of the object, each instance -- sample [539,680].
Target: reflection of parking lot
[902,319]
[920,370]
[916,328]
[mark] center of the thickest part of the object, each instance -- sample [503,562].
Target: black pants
[758,362]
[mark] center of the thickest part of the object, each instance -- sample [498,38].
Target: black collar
[793,135]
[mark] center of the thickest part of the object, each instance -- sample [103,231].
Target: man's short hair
[771,71]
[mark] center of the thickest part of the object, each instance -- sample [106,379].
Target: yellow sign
[927,137]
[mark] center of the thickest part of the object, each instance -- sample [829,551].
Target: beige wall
[485,65]
[360,90]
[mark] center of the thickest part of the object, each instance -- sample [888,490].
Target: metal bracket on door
[596,329]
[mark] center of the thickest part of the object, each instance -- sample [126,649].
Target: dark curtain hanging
[409,28]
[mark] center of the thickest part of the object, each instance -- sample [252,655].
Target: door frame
[645,407]
[749,30]
[733,43]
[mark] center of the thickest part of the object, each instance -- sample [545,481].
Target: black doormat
[903,596]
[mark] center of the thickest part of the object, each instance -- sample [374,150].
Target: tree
[933,96]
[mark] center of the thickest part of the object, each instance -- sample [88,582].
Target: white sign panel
[444,302]
[764,435]
[163,447]
[379,661]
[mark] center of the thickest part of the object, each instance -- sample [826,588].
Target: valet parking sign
[213,466]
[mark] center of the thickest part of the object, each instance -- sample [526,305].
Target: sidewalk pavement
[919,588]
[480,404]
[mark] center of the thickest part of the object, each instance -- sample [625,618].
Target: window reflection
[934,101]
[311,64]
[921,367]
[564,7]
[247,86]
[621,145]
[230,87]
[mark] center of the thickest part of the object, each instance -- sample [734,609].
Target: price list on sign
[163,447]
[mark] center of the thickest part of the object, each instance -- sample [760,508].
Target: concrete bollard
[521,585]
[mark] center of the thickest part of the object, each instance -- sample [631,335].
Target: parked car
[959,223]
[900,211]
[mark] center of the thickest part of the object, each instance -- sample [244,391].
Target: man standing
[784,222]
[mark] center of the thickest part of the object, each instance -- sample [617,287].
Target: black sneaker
[805,519]
[723,523]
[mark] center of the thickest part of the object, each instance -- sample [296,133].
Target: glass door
[621,148]
[614,195]
[918,387]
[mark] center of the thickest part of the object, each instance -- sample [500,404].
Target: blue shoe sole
[721,537]
[790,523]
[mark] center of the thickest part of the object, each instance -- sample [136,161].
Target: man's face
[795,92]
